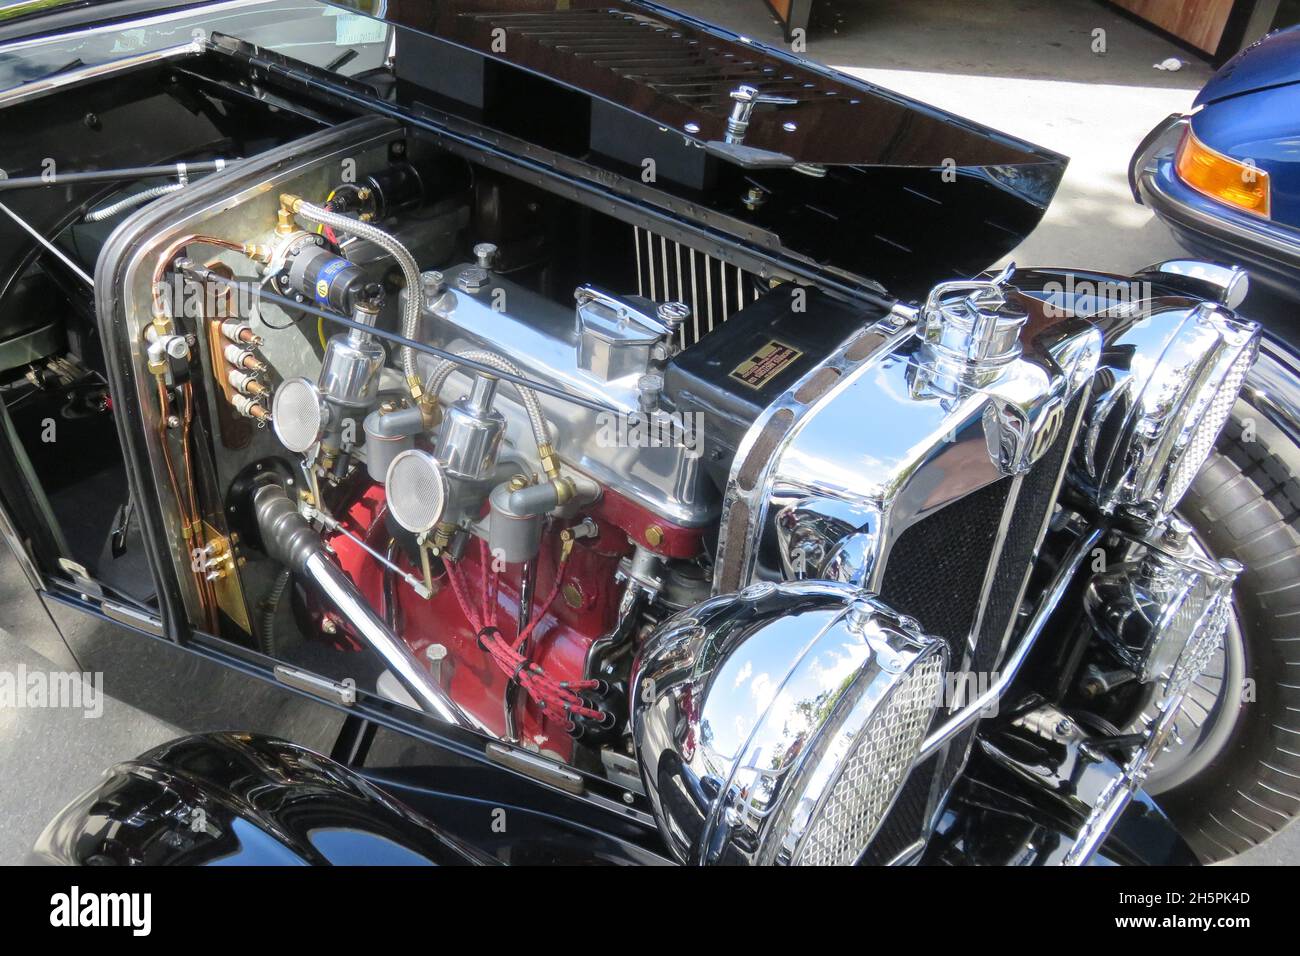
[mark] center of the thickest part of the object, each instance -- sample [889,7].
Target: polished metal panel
[896,439]
[777,725]
[541,338]
[1171,379]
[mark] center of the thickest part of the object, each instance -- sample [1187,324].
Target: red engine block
[584,609]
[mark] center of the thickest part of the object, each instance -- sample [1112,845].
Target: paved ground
[1023,66]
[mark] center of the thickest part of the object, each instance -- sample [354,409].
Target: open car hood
[908,179]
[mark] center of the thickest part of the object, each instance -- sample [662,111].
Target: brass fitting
[258,251]
[565,489]
[442,535]
[430,411]
[549,463]
[284,225]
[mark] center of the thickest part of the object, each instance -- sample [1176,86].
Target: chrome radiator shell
[841,471]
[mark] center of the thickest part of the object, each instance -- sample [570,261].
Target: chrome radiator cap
[778,724]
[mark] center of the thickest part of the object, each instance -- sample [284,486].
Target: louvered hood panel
[681,75]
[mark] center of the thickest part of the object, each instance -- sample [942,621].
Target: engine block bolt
[654,536]
[472,279]
[572,595]
[432,283]
[486,254]
[436,654]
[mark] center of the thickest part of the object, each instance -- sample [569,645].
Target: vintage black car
[626,409]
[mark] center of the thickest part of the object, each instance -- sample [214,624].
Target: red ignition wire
[558,700]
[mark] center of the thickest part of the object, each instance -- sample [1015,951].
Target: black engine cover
[746,363]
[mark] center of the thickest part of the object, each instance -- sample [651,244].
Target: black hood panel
[681,76]
[873,188]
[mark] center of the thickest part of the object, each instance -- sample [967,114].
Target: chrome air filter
[779,724]
[298,414]
[416,489]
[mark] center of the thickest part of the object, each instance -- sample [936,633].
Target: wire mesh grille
[884,752]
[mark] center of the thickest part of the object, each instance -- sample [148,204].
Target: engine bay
[518,502]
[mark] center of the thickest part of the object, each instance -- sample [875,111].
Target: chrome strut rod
[969,714]
[291,540]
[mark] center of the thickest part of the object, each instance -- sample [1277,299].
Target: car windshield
[315,33]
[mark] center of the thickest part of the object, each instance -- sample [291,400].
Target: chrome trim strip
[332,691]
[87,74]
[969,714]
[188,13]
[133,617]
[539,768]
[1047,519]
[991,572]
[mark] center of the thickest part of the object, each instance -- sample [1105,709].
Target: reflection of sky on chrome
[780,705]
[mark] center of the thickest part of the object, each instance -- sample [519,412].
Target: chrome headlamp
[779,724]
[1165,392]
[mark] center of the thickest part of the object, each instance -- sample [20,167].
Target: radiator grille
[667,270]
[1036,498]
[906,820]
[936,568]
[936,572]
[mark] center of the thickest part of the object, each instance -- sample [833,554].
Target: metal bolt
[328,626]
[654,536]
[432,283]
[1177,532]
[173,421]
[486,254]
[472,279]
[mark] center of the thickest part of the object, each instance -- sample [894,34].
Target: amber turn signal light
[1220,177]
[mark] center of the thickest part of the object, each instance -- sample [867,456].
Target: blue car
[1225,177]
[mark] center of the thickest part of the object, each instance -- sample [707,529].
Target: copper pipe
[170,253]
